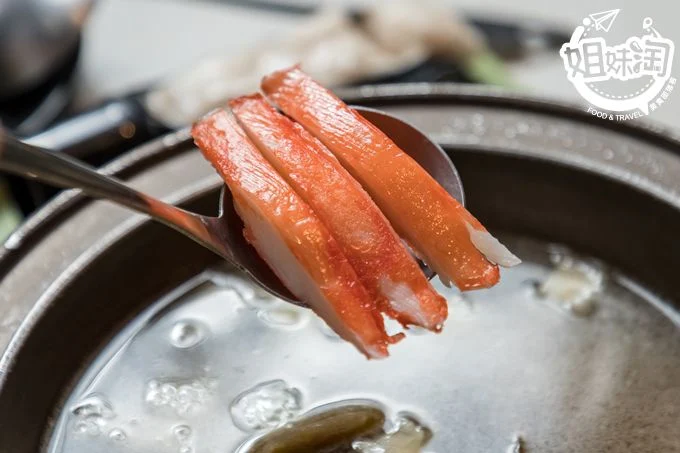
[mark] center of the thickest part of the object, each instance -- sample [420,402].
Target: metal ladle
[222,234]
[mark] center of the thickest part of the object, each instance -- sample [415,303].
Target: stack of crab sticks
[329,202]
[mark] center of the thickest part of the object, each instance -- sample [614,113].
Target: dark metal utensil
[36,38]
[221,234]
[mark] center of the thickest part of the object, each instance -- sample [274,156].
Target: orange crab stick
[439,228]
[290,237]
[382,262]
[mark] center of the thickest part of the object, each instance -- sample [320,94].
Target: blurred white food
[393,36]
[574,284]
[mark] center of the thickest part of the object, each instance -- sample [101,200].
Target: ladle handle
[63,171]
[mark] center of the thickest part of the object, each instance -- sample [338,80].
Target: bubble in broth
[91,415]
[182,432]
[117,435]
[284,316]
[267,405]
[187,334]
[182,398]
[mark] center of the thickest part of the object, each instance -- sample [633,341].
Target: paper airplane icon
[604,20]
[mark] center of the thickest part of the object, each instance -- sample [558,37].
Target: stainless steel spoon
[222,234]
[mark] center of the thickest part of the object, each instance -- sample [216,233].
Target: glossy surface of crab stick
[382,262]
[420,210]
[290,237]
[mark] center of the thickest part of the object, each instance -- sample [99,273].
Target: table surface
[130,43]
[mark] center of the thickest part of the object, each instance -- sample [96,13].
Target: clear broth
[513,362]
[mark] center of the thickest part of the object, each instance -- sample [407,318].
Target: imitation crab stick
[439,228]
[290,237]
[382,262]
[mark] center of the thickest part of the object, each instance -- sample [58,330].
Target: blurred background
[94,79]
